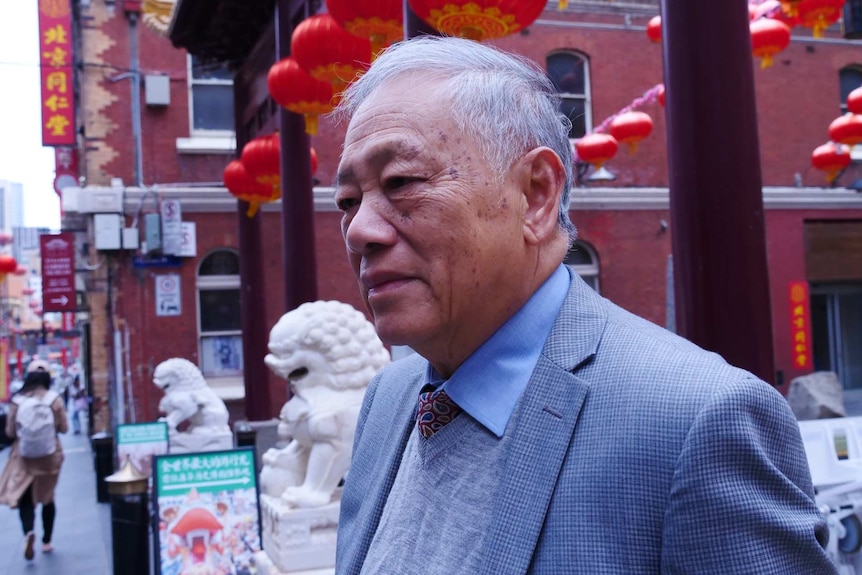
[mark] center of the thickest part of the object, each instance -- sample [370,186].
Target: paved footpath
[82,532]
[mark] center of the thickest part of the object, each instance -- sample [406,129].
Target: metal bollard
[103,461]
[130,534]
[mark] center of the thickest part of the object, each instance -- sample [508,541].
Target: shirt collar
[489,382]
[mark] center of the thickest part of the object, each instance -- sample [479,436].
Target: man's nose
[369,227]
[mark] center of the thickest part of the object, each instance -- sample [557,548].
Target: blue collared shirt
[489,382]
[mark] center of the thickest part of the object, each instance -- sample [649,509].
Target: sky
[22,157]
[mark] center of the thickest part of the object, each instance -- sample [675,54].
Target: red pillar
[719,246]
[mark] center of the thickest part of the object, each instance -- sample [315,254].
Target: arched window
[570,73]
[850,78]
[219,325]
[582,258]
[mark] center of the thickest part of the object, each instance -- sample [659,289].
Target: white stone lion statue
[188,397]
[328,352]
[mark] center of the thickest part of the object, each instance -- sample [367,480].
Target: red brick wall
[797,99]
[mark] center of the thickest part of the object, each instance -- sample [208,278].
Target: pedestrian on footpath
[36,416]
[79,404]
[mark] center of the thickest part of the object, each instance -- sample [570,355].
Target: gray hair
[507,101]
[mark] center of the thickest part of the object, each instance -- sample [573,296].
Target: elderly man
[540,428]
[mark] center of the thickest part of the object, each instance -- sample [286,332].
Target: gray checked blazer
[636,452]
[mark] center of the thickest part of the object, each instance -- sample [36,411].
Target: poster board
[141,442]
[207,512]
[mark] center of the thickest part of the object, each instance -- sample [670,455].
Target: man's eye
[396,182]
[344,204]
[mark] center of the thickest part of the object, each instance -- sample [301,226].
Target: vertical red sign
[55,60]
[800,326]
[58,271]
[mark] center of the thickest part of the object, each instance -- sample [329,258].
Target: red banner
[58,271]
[55,59]
[800,326]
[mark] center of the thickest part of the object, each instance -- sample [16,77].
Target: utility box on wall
[157,90]
[106,229]
[152,233]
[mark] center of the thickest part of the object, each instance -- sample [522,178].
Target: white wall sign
[189,242]
[172,221]
[168,293]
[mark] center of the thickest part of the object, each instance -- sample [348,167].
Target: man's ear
[543,178]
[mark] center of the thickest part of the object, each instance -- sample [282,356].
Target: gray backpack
[34,425]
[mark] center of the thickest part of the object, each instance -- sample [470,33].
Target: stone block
[299,539]
[816,396]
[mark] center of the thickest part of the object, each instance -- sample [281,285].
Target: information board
[207,512]
[168,302]
[58,271]
[140,442]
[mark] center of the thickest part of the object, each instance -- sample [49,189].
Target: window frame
[586,96]
[590,273]
[856,68]
[199,133]
[211,283]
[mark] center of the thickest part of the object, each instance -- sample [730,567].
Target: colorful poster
[140,442]
[56,62]
[207,513]
[800,326]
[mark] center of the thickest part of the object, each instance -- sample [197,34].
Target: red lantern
[34,304]
[854,101]
[768,37]
[630,128]
[244,187]
[653,29]
[596,149]
[313,161]
[294,89]
[5,238]
[28,291]
[819,14]
[790,7]
[328,52]
[262,158]
[846,129]
[831,158]
[7,264]
[661,96]
[478,19]
[20,271]
[379,21]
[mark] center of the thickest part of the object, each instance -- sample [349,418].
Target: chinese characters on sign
[55,61]
[58,271]
[800,326]
[140,442]
[208,519]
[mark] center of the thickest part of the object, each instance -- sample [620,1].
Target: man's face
[432,233]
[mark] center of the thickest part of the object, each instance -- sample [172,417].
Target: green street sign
[139,442]
[206,471]
[153,432]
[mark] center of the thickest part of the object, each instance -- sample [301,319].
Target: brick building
[184,139]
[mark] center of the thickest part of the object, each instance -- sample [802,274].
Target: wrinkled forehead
[410,89]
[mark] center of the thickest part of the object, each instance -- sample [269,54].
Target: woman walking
[36,416]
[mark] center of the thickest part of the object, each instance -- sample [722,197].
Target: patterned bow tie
[436,409]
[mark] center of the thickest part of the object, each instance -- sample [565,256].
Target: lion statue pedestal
[328,352]
[189,398]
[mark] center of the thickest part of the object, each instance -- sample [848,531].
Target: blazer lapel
[541,431]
